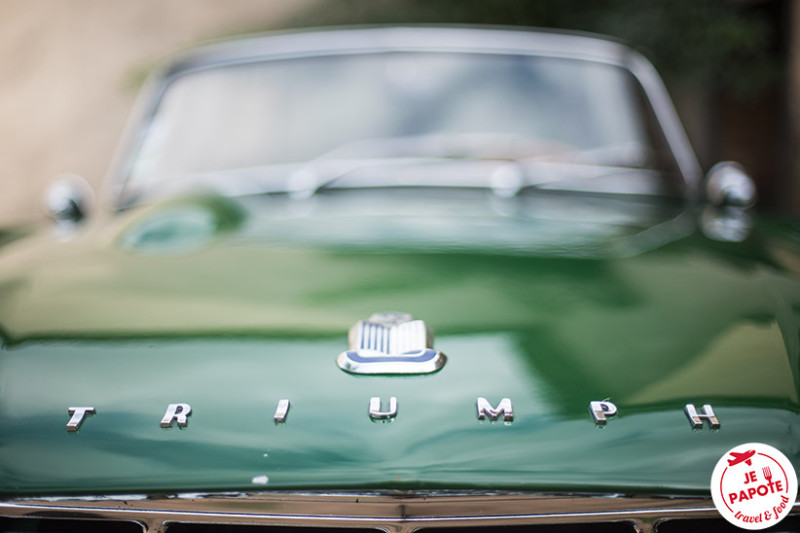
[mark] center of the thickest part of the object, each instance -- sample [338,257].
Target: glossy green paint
[233,318]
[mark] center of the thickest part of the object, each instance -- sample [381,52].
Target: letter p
[601,411]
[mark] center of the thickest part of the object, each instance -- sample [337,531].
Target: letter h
[696,419]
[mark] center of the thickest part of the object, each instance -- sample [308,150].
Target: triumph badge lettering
[378,410]
[696,419]
[504,408]
[391,343]
[77,415]
[176,412]
[377,413]
[602,411]
[282,411]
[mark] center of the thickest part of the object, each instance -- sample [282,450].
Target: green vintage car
[240,336]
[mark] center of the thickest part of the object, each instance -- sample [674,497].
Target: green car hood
[214,312]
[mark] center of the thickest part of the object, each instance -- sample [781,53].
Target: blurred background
[70,71]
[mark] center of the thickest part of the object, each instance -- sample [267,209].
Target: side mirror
[728,185]
[69,199]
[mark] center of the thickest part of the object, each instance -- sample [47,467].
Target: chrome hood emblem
[391,343]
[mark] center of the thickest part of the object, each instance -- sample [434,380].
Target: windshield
[279,114]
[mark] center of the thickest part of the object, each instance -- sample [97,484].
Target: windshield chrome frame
[360,41]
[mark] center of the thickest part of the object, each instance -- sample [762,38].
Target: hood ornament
[391,343]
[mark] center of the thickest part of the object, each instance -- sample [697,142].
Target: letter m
[504,408]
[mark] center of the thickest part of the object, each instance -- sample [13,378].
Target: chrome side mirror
[69,200]
[726,224]
[728,185]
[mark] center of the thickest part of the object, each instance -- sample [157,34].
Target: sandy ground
[69,73]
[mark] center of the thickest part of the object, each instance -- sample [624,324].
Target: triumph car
[397,279]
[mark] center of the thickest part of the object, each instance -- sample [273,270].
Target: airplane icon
[742,457]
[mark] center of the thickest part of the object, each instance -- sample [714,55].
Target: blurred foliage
[711,43]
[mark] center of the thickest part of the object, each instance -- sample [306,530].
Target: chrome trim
[425,361]
[77,416]
[381,39]
[398,512]
[69,200]
[485,409]
[390,343]
[729,185]
[176,412]
[376,411]
[668,120]
[282,411]
[601,411]
[696,419]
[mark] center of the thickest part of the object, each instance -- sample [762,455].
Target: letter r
[176,412]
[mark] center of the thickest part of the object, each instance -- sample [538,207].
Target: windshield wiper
[422,150]
[511,164]
[502,163]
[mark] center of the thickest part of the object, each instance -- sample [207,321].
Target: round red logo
[754,486]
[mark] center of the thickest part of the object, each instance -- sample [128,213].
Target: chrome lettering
[696,419]
[281,412]
[503,408]
[176,412]
[601,411]
[78,414]
[376,412]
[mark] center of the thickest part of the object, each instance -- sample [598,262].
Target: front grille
[223,528]
[558,528]
[611,527]
[790,524]
[396,512]
[55,525]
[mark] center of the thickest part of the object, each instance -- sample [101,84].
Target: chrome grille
[611,527]
[790,524]
[395,512]
[222,528]
[61,525]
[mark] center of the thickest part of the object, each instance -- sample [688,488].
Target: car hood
[233,324]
